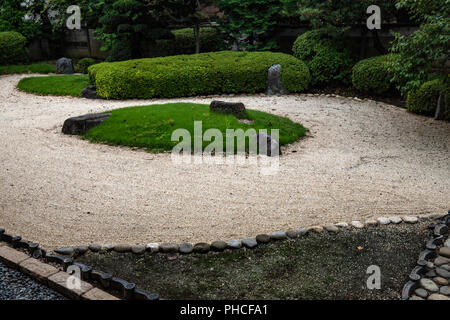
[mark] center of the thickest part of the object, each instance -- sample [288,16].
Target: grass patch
[317,266]
[43,67]
[151,127]
[64,85]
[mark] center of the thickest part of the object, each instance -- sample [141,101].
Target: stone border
[247,243]
[51,270]
[429,265]
[64,257]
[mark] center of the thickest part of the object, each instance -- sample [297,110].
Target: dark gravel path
[17,286]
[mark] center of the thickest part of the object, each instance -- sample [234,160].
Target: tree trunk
[377,43]
[363,45]
[197,38]
[441,107]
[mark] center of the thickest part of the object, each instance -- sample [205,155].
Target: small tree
[125,25]
[250,23]
[183,12]
[425,53]
[332,19]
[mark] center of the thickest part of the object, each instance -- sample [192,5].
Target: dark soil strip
[317,266]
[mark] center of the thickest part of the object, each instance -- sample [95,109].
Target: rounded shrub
[12,48]
[198,74]
[373,75]
[424,100]
[327,62]
[83,65]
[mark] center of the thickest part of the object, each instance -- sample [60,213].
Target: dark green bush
[12,48]
[373,75]
[198,74]
[424,100]
[184,42]
[327,62]
[83,65]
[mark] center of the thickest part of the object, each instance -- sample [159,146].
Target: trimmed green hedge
[373,75]
[424,100]
[184,42]
[198,74]
[12,48]
[83,65]
[326,61]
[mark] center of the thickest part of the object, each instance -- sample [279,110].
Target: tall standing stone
[274,83]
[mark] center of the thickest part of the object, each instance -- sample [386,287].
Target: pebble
[342,225]
[186,248]
[108,247]
[278,235]
[292,234]
[331,228]
[421,292]
[370,222]
[414,297]
[440,281]
[152,247]
[441,260]
[168,247]
[357,224]
[445,267]
[409,219]
[234,244]
[445,290]
[395,220]
[81,249]
[67,251]
[429,285]
[431,274]
[317,229]
[443,273]
[302,232]
[218,246]
[384,221]
[122,248]
[95,247]
[138,249]
[18,286]
[202,247]
[437,296]
[249,243]
[263,238]
[445,252]
[447,243]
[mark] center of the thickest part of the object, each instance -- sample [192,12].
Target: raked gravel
[361,160]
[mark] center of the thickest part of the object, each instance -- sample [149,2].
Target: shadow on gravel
[317,266]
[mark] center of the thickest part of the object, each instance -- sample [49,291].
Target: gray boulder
[90,92]
[274,83]
[64,66]
[235,108]
[271,148]
[81,124]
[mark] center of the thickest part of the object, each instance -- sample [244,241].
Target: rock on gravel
[395,220]
[445,252]
[437,296]
[357,224]
[234,244]
[249,243]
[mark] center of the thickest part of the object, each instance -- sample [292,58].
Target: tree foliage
[251,23]
[427,49]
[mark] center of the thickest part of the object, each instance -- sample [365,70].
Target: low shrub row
[424,100]
[327,62]
[12,48]
[200,74]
